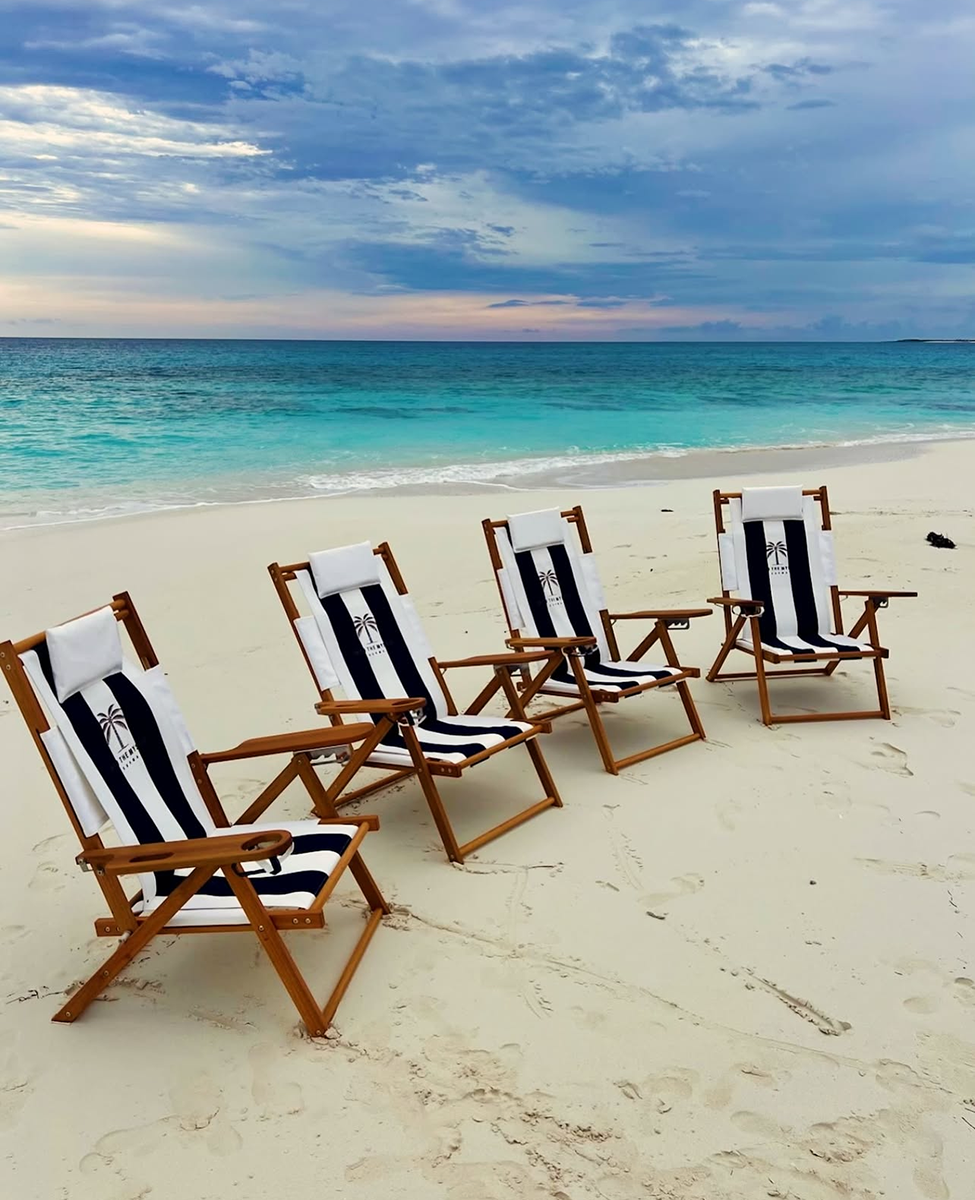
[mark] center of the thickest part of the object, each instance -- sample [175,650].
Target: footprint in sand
[833,800]
[196,1103]
[666,1091]
[891,758]
[47,878]
[628,863]
[15,1083]
[960,989]
[959,868]
[728,814]
[922,1005]
[48,843]
[945,717]
[897,1076]
[277,1095]
[962,866]
[763,1127]
[682,885]
[842,1141]
[743,1074]
[963,990]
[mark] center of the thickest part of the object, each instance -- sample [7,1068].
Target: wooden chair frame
[406,711]
[574,650]
[209,855]
[739,611]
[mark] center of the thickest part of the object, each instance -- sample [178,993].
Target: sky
[551,169]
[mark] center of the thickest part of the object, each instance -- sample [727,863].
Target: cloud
[811,103]
[584,160]
[528,304]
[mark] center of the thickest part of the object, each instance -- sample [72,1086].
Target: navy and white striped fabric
[776,552]
[366,638]
[553,590]
[119,747]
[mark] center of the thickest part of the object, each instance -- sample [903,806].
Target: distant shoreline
[938,341]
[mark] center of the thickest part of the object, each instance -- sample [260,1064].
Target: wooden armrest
[555,643]
[221,850]
[322,738]
[377,707]
[735,602]
[371,821]
[662,614]
[494,660]
[882,593]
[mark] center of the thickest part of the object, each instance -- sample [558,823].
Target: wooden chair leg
[542,771]
[878,670]
[356,760]
[516,706]
[367,885]
[432,796]
[321,801]
[274,789]
[536,683]
[595,720]
[870,616]
[484,695]
[861,623]
[760,673]
[332,1003]
[725,650]
[133,945]
[690,708]
[360,872]
[645,645]
[279,954]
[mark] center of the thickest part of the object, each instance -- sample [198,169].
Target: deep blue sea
[95,427]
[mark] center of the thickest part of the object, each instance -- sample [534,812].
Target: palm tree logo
[549,581]
[111,722]
[365,627]
[776,553]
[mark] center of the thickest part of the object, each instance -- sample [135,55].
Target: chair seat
[302,875]
[613,675]
[450,739]
[826,645]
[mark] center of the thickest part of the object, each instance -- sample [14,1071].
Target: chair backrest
[547,576]
[363,634]
[110,731]
[775,547]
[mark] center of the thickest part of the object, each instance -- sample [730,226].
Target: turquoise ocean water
[97,427]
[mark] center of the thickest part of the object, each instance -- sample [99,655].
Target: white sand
[800,1024]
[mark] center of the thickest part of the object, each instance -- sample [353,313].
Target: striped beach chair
[552,597]
[119,753]
[780,596]
[363,635]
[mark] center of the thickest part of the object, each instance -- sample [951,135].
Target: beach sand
[743,969]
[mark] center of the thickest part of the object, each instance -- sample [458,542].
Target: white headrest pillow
[532,530]
[771,504]
[83,651]
[341,570]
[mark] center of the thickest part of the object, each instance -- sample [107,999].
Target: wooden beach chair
[552,598]
[780,597]
[119,754]
[363,636]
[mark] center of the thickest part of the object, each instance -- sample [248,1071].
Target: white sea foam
[518,474]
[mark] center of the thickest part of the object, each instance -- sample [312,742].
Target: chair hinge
[413,717]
